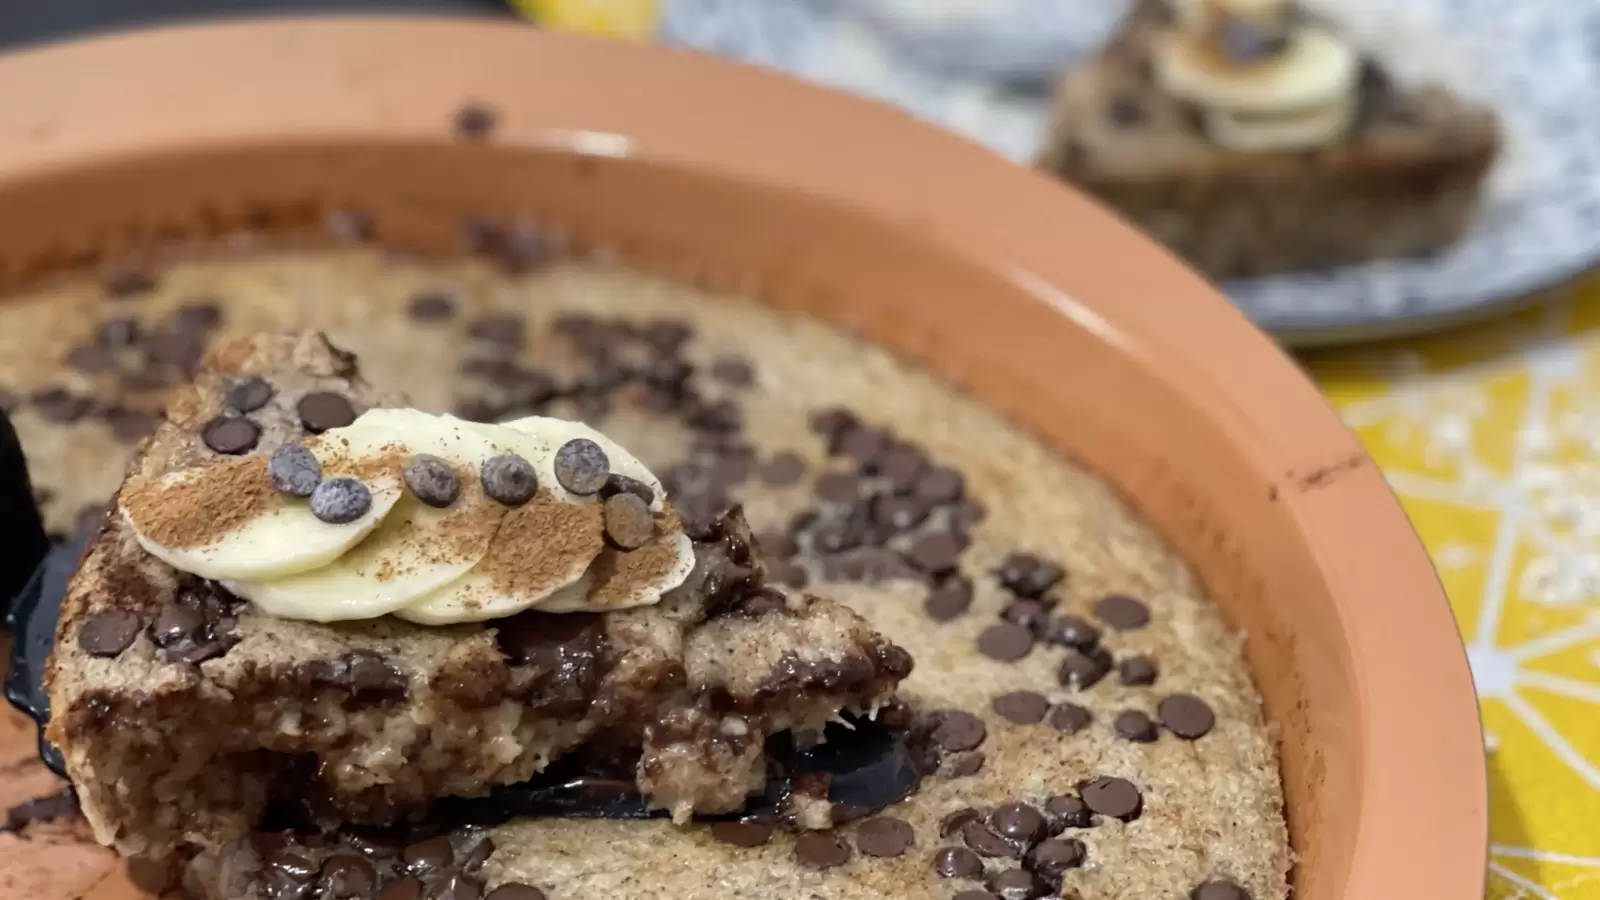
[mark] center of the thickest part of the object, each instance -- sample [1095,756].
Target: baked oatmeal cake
[1089,725]
[369,607]
[1251,138]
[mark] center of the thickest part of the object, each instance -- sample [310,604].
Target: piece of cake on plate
[1252,138]
[309,595]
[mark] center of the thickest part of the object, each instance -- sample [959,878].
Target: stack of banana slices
[467,556]
[1264,78]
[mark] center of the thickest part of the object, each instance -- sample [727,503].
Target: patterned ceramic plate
[981,67]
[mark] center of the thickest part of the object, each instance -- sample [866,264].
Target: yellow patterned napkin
[1491,437]
[631,19]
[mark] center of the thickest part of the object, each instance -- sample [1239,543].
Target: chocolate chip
[198,317]
[742,834]
[958,730]
[1005,642]
[346,876]
[322,410]
[1137,671]
[508,478]
[1030,614]
[964,765]
[232,435]
[1243,41]
[863,445]
[628,524]
[581,466]
[108,633]
[1122,612]
[1082,670]
[502,330]
[733,370]
[431,306]
[514,892]
[1052,858]
[130,426]
[1017,884]
[1125,110]
[60,406]
[340,501]
[475,121]
[1186,716]
[1133,725]
[1064,811]
[1071,631]
[941,485]
[721,417]
[821,850]
[1029,576]
[966,514]
[294,470]
[902,465]
[249,394]
[292,865]
[885,836]
[949,600]
[1022,707]
[119,332]
[404,889]
[838,487]
[957,862]
[975,895]
[1018,822]
[1219,889]
[1114,797]
[622,484]
[988,842]
[835,537]
[428,856]
[783,469]
[370,679]
[1069,718]
[956,820]
[175,622]
[832,425]
[899,513]
[91,359]
[935,553]
[432,480]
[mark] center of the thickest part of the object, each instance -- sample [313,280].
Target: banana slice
[417,549]
[636,578]
[1316,70]
[235,527]
[541,549]
[1300,131]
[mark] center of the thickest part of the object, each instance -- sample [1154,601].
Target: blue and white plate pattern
[983,67]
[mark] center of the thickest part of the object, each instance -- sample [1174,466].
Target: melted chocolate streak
[867,765]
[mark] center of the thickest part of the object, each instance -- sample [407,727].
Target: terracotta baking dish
[1016,288]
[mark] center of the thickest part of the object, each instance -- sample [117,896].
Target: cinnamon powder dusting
[620,575]
[202,507]
[543,545]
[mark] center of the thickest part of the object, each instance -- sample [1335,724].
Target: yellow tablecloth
[1491,436]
